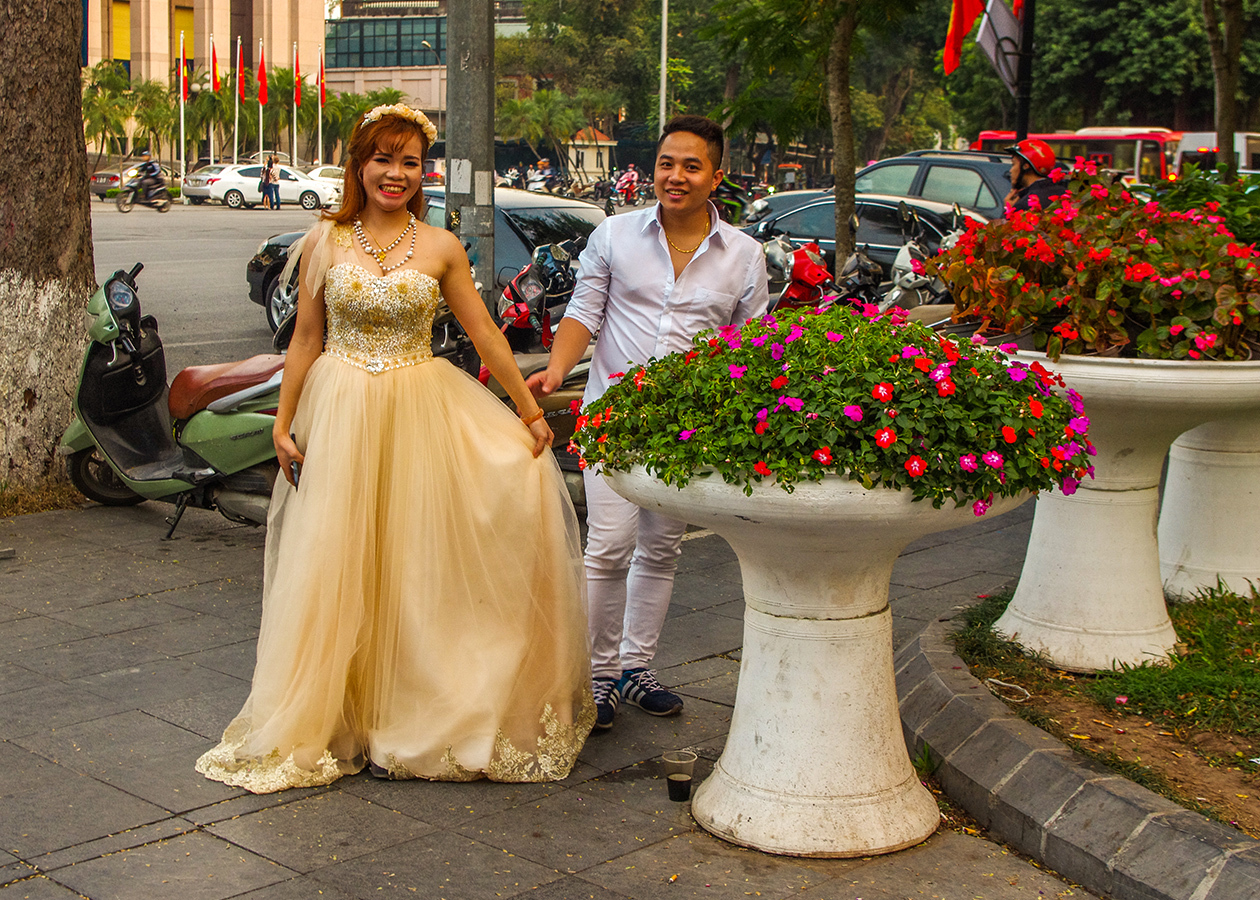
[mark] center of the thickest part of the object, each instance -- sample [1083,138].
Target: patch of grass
[49,493]
[1214,685]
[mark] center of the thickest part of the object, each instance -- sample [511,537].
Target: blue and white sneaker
[640,687]
[606,699]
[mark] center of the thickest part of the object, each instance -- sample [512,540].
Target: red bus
[1141,154]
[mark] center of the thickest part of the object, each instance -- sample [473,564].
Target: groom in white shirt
[648,282]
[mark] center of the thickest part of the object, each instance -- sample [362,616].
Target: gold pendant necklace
[680,249]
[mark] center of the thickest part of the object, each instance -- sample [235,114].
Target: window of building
[386,42]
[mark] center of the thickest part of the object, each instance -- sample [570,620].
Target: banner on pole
[214,66]
[999,38]
[297,79]
[240,69]
[262,76]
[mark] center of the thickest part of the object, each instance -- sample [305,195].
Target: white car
[238,187]
[327,173]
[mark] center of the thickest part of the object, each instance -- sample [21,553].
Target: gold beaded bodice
[379,322]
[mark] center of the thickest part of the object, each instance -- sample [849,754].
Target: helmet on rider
[1036,154]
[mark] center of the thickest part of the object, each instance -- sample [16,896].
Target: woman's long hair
[387,133]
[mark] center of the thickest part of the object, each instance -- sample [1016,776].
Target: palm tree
[545,119]
[107,105]
[156,116]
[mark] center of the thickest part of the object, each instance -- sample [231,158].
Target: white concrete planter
[1209,521]
[1090,594]
[815,763]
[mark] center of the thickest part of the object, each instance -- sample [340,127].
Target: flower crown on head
[404,111]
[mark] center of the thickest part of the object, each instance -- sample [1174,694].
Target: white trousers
[631,556]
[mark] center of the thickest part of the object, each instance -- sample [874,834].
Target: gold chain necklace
[680,249]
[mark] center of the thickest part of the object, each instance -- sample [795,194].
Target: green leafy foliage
[1104,271]
[874,399]
[1238,201]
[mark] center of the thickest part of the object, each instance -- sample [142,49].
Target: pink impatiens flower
[853,412]
[737,371]
[994,459]
[686,435]
[967,462]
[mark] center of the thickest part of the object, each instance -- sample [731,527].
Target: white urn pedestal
[1209,520]
[1090,594]
[815,763]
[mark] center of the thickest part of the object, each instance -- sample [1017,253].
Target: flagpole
[297,86]
[236,122]
[320,127]
[214,73]
[183,74]
[260,106]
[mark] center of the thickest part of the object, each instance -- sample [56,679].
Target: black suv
[973,179]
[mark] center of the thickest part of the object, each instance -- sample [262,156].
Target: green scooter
[204,441]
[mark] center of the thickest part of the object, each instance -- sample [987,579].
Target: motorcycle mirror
[762,229]
[284,334]
[903,210]
[505,276]
[958,217]
[854,224]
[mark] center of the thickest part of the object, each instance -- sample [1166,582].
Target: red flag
[214,66]
[297,80]
[240,69]
[262,77]
[961,18]
[1018,9]
[323,98]
[183,72]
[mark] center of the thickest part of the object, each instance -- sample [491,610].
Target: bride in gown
[423,602]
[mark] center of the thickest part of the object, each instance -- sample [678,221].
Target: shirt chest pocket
[707,308]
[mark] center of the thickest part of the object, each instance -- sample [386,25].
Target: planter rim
[1116,362]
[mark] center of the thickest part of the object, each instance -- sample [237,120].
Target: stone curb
[1080,819]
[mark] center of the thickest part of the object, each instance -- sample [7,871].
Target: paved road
[194,273]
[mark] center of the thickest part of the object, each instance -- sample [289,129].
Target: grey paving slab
[14,677]
[636,736]
[574,887]
[441,865]
[949,866]
[90,656]
[1238,878]
[300,888]
[235,597]
[128,839]
[139,753]
[642,787]
[123,615]
[194,866]
[9,613]
[696,635]
[236,659]
[32,632]
[45,807]
[1176,852]
[732,610]
[700,670]
[719,689]
[51,705]
[245,804]
[700,590]
[572,831]
[15,871]
[38,888]
[158,682]
[442,803]
[703,866]
[194,633]
[319,831]
[206,714]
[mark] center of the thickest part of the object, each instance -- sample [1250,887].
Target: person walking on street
[264,182]
[648,282]
[273,181]
[1032,163]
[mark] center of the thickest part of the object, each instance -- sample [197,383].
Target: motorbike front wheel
[162,202]
[125,201]
[94,478]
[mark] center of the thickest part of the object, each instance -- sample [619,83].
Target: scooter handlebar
[135,270]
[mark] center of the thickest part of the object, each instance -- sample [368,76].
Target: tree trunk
[839,55]
[46,269]
[1225,34]
[895,93]
[728,97]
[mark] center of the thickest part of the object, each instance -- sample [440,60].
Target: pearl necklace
[379,255]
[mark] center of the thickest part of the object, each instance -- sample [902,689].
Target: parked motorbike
[911,289]
[204,441]
[156,196]
[810,284]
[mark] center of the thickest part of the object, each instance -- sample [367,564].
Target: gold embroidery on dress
[342,236]
[453,771]
[397,771]
[266,774]
[378,323]
[556,752]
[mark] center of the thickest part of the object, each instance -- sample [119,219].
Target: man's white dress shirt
[626,290]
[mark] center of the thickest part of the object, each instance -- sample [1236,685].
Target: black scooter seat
[197,387]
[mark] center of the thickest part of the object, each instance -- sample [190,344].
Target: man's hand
[1011,197]
[542,383]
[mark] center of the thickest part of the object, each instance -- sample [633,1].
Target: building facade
[144,34]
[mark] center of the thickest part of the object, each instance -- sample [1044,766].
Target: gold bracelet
[531,419]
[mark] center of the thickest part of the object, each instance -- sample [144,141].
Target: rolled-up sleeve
[590,295]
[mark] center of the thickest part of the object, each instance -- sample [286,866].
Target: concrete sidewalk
[123,657]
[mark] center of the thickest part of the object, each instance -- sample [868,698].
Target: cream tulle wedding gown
[423,606]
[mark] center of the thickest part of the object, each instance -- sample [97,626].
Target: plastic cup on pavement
[679,762]
[679,787]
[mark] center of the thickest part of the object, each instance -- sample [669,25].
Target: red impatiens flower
[1008,434]
[638,379]
[1035,407]
[762,469]
[823,455]
[882,392]
[760,427]
[916,466]
[945,387]
[885,437]
[779,382]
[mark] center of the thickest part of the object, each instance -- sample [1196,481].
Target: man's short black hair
[705,129]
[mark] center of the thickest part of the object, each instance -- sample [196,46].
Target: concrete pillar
[213,17]
[151,40]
